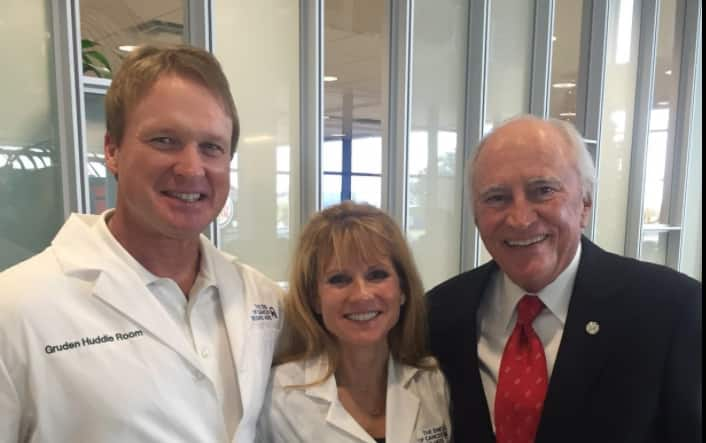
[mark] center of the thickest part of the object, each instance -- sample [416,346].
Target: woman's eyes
[338,279]
[343,279]
[378,274]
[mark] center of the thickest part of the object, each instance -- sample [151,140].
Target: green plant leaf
[87,43]
[99,57]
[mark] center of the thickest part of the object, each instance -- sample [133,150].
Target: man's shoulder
[654,278]
[255,283]
[30,276]
[473,280]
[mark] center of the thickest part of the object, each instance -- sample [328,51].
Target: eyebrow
[544,181]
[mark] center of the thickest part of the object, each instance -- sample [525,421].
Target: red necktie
[522,381]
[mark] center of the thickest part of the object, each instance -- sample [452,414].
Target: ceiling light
[663,103]
[668,72]
[553,38]
[337,135]
[567,114]
[126,48]
[330,78]
[564,85]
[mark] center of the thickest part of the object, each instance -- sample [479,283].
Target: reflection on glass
[434,176]
[654,247]
[566,50]
[616,128]
[117,26]
[264,177]
[661,129]
[101,183]
[355,92]
[509,60]
[30,169]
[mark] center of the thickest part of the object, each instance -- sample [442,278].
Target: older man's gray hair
[584,162]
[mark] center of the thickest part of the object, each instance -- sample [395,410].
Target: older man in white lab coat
[131,326]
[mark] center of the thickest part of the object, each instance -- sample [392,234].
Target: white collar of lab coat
[83,252]
[401,409]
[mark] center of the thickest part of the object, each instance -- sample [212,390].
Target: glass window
[257,44]
[355,99]
[617,124]
[566,51]
[658,228]
[30,163]
[509,60]
[691,252]
[434,159]
[110,29]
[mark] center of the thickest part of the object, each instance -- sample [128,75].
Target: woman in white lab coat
[355,367]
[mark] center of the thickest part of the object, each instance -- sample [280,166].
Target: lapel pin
[592,328]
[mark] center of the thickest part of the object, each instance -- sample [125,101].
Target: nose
[362,288]
[188,161]
[521,214]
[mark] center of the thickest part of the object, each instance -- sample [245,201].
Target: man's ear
[111,151]
[586,211]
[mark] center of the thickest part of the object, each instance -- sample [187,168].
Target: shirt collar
[204,279]
[555,296]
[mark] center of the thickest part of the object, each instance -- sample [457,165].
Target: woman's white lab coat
[88,354]
[416,407]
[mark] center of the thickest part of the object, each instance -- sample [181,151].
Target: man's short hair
[146,64]
[584,161]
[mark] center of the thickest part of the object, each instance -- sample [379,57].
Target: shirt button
[204,353]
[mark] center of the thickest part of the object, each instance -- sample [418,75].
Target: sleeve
[10,406]
[681,396]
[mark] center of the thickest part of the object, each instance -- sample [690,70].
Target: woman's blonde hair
[351,231]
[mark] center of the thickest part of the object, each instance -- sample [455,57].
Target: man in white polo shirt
[131,326]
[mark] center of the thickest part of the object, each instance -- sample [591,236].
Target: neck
[363,370]
[176,259]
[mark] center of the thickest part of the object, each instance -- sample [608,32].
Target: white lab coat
[416,407]
[139,381]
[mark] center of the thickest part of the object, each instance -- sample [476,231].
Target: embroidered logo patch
[263,312]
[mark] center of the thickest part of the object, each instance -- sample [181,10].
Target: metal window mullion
[394,198]
[199,20]
[542,57]
[691,32]
[69,94]
[591,109]
[649,29]
[310,106]
[474,117]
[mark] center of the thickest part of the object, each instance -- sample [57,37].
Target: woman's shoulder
[298,372]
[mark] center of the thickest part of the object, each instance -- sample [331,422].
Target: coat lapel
[402,405]
[337,415]
[115,283]
[583,350]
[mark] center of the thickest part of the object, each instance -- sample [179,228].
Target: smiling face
[528,202]
[173,162]
[359,302]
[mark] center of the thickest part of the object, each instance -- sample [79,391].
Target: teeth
[188,197]
[527,242]
[363,316]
